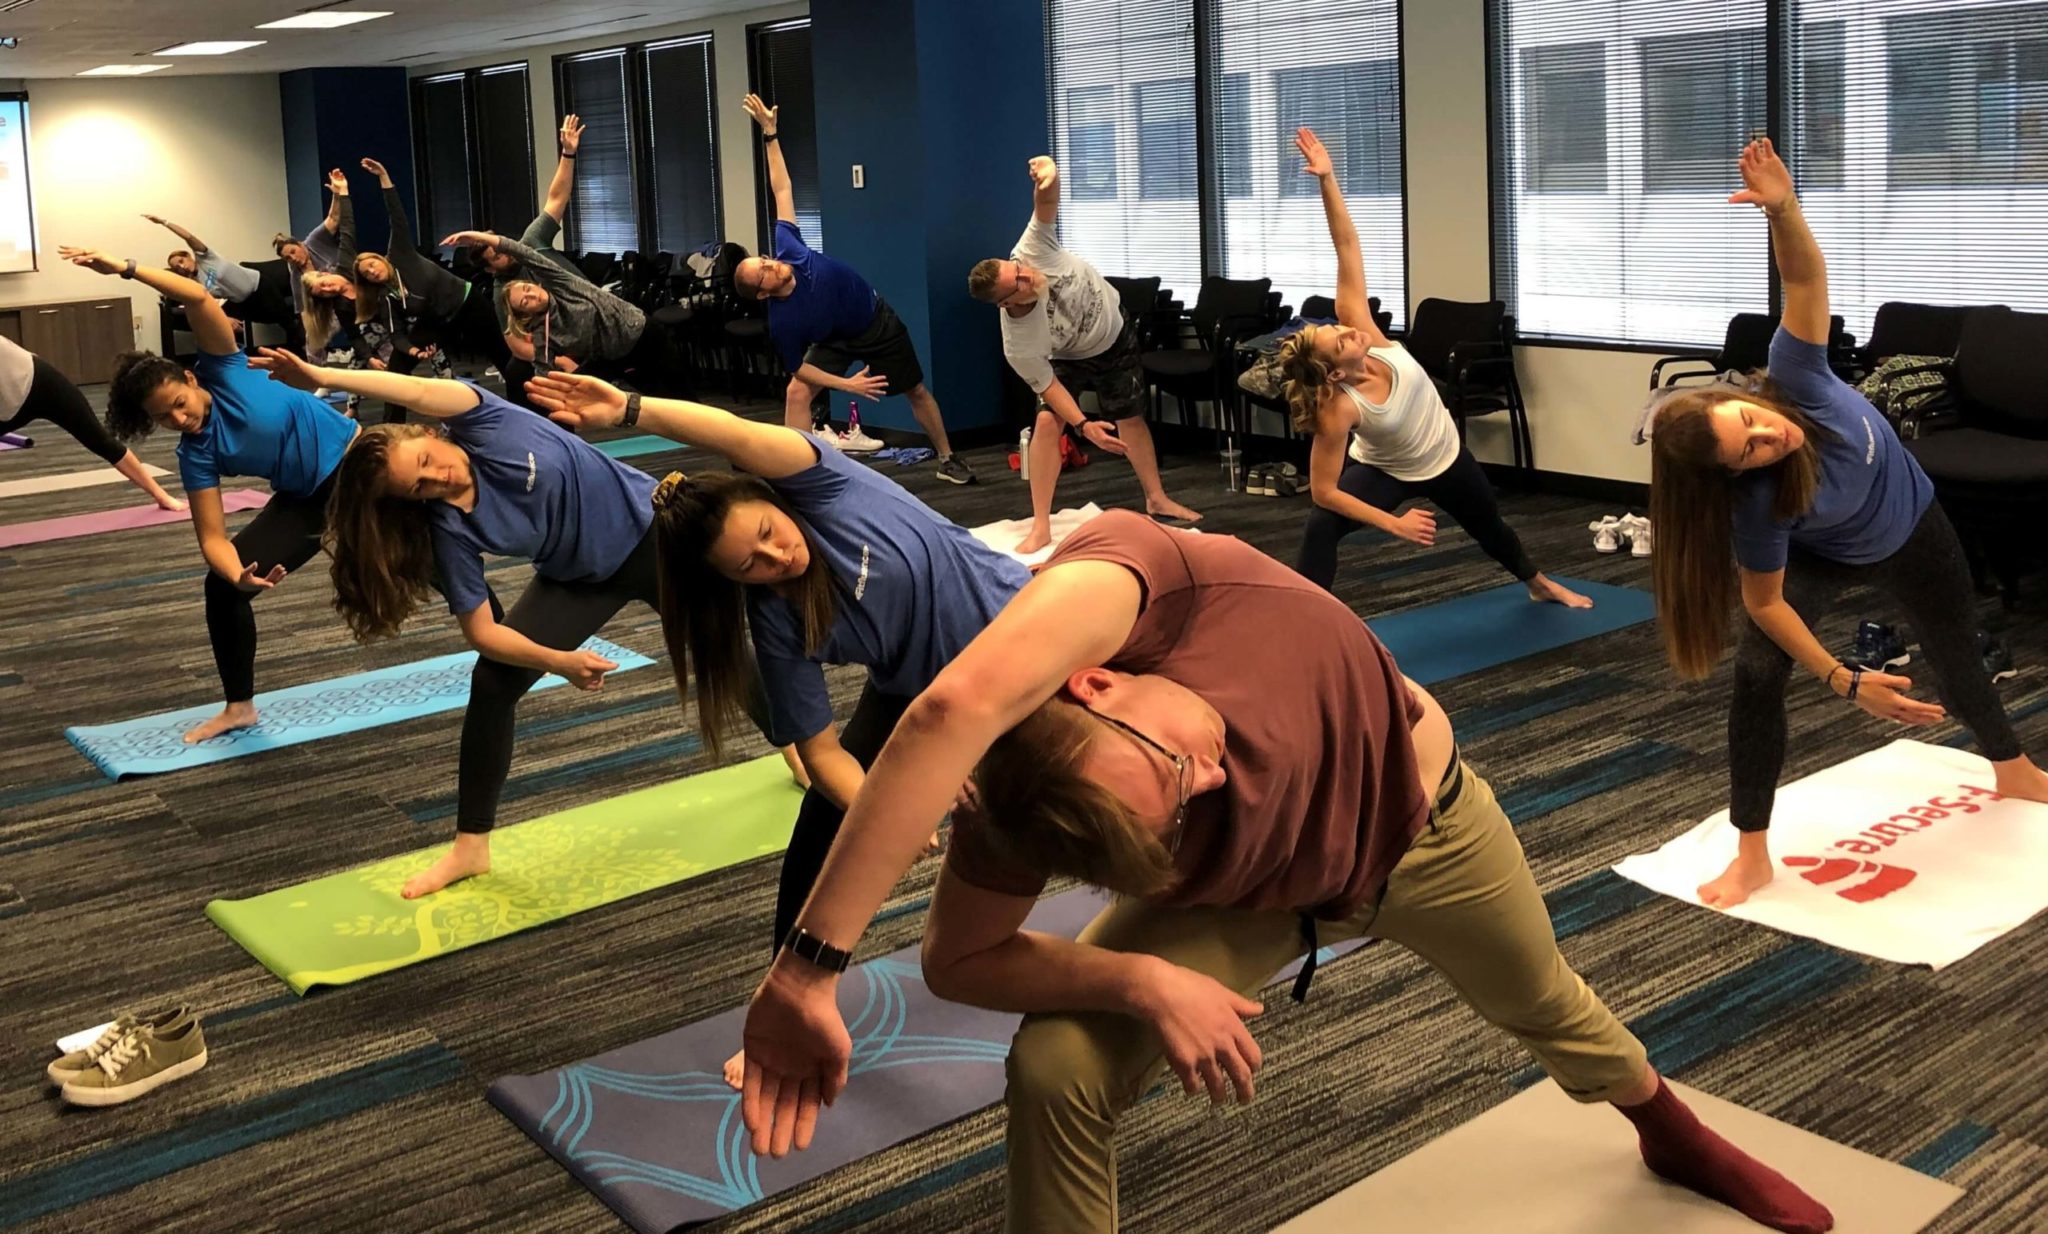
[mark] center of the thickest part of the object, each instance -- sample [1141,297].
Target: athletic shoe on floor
[1606,534]
[1255,481]
[1879,648]
[954,470]
[1997,660]
[854,441]
[827,436]
[78,1062]
[1636,530]
[144,1059]
[1285,481]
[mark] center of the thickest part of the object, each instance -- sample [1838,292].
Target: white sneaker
[855,441]
[827,436]
[1606,534]
[1641,539]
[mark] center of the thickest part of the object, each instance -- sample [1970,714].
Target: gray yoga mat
[653,1130]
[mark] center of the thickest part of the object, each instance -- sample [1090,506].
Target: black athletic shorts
[884,347]
[1117,376]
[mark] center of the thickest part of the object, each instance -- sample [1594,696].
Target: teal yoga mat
[1490,628]
[155,744]
[634,447]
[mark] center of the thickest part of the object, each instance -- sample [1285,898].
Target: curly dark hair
[137,374]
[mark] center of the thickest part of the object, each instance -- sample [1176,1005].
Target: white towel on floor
[1003,536]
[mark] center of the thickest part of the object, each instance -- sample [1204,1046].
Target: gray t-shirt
[230,280]
[1078,317]
[540,237]
[584,321]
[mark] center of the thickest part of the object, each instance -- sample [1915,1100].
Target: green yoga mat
[345,927]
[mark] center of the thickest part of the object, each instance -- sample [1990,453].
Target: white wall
[205,152]
[729,67]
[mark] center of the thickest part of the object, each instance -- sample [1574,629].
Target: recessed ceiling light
[122,70]
[327,19]
[217,48]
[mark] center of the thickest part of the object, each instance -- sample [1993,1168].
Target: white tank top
[1411,436]
[17,373]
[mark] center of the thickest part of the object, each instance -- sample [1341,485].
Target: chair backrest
[1747,345]
[1439,325]
[1903,329]
[1137,296]
[1231,306]
[2002,371]
[598,267]
[1313,307]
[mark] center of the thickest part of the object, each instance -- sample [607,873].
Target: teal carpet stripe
[10,679]
[214,1019]
[137,580]
[1516,710]
[44,792]
[2025,711]
[1729,1009]
[1535,796]
[1593,900]
[596,715]
[904,909]
[680,747]
[220,1132]
[1946,1151]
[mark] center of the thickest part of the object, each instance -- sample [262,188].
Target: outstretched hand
[798,1052]
[286,367]
[337,183]
[1315,159]
[769,118]
[1767,183]
[252,581]
[1045,174]
[577,402]
[158,219]
[571,135]
[91,259]
[1884,696]
[868,385]
[475,239]
[376,169]
[1103,437]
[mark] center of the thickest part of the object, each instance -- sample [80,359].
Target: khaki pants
[1462,898]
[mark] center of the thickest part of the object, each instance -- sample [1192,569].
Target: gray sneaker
[78,1062]
[144,1059]
[954,470]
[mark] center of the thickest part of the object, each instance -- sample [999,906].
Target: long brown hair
[368,294]
[704,613]
[1304,378]
[382,546]
[1045,810]
[1691,507]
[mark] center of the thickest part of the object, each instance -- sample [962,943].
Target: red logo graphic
[1879,879]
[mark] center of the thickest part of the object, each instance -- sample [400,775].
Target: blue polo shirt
[913,591]
[541,494]
[263,428]
[830,302]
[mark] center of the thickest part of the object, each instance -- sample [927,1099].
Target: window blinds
[782,77]
[506,201]
[603,215]
[682,124]
[441,113]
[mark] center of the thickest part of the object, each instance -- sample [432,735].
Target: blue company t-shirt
[831,301]
[913,591]
[540,493]
[1871,492]
[259,427]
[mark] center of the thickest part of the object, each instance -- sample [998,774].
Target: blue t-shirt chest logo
[532,471]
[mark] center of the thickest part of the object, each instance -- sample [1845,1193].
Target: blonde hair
[318,316]
[1304,378]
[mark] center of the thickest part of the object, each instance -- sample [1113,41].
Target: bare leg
[1137,438]
[926,409]
[1045,477]
[1749,873]
[796,404]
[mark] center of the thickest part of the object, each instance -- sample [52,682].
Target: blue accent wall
[336,118]
[902,90]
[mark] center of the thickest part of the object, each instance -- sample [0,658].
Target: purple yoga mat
[15,441]
[73,526]
[655,1132]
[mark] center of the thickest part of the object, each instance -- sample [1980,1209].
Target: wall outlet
[860,176]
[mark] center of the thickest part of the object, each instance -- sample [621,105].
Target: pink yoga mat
[73,526]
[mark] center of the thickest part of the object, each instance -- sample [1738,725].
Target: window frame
[479,204]
[763,195]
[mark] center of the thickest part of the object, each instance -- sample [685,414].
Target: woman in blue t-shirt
[415,510]
[1805,485]
[234,423]
[822,561]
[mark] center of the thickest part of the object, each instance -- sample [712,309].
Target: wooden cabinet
[79,338]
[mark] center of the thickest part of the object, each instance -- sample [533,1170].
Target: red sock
[1680,1148]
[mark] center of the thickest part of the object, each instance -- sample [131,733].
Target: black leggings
[286,533]
[1460,490]
[817,819]
[52,397]
[558,615]
[1930,580]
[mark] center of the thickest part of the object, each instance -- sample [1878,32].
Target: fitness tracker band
[768,137]
[632,409]
[129,273]
[808,946]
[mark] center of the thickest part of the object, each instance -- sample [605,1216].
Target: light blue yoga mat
[155,744]
[1489,628]
[634,447]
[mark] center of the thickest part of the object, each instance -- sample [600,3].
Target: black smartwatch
[808,946]
[632,409]
[768,137]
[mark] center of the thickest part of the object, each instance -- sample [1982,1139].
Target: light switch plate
[860,176]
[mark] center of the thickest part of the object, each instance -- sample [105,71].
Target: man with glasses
[1182,720]
[824,318]
[1064,333]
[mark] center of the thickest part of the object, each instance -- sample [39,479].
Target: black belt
[1448,790]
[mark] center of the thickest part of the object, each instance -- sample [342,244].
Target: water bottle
[1024,453]
[1230,461]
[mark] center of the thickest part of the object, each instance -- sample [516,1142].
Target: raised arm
[1767,185]
[556,204]
[1045,189]
[203,314]
[192,242]
[346,247]
[394,206]
[778,171]
[1353,309]
[769,451]
[428,396]
[337,189]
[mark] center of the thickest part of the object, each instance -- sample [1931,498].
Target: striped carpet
[362,1108]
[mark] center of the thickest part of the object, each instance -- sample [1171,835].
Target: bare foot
[470,857]
[1744,877]
[1546,590]
[1167,507]
[736,1071]
[1038,539]
[2020,778]
[231,717]
[796,767]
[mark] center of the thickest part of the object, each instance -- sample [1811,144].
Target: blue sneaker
[1879,648]
[1997,660]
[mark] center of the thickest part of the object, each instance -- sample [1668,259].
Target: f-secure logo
[532,471]
[1878,879]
